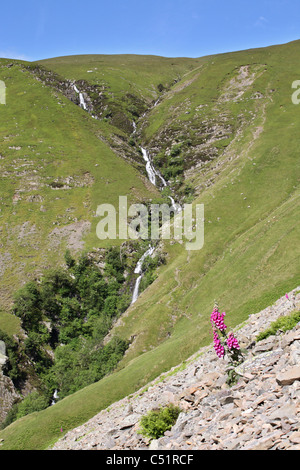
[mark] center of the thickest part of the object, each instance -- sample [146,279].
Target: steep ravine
[153,176]
[157,180]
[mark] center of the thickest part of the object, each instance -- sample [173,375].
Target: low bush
[282,323]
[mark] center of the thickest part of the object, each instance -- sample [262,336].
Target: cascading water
[138,270]
[153,174]
[176,207]
[82,103]
[55,397]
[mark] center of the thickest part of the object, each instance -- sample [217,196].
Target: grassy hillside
[238,128]
[122,87]
[122,74]
[56,167]
[250,255]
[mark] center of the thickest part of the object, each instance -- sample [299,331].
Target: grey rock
[154,445]
[129,421]
[286,411]
[289,376]
[2,348]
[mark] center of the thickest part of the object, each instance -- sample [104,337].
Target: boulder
[295,437]
[3,357]
[289,376]
[2,348]
[3,360]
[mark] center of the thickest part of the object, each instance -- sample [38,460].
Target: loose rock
[260,412]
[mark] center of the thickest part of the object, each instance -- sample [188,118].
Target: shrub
[172,171]
[83,362]
[157,422]
[282,323]
[70,261]
[160,159]
[31,403]
[27,306]
[175,150]
[56,184]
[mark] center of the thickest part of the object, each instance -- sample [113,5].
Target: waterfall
[175,206]
[138,270]
[149,167]
[162,179]
[136,289]
[82,103]
[55,397]
[151,171]
[153,174]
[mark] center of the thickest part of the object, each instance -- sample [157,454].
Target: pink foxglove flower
[232,342]
[217,319]
[220,351]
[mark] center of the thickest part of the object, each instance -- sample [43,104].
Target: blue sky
[38,29]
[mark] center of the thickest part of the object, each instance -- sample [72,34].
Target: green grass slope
[56,167]
[123,86]
[126,73]
[250,190]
